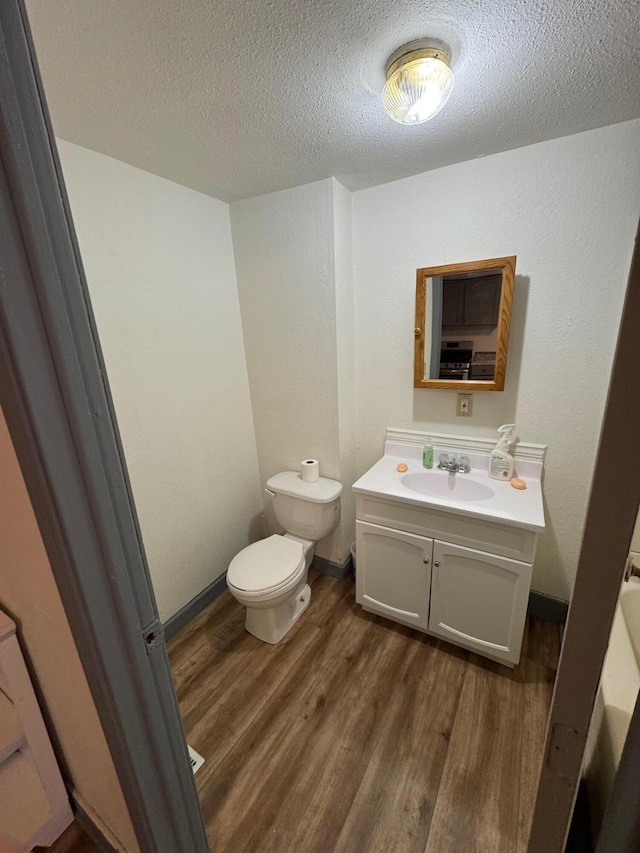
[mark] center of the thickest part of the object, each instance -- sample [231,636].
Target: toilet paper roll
[310,470]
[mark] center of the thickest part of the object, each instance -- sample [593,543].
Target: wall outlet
[464,405]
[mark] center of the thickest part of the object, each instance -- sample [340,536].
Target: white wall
[293,258]
[345,354]
[160,267]
[568,209]
[161,273]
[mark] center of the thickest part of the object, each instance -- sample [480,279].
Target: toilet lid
[266,564]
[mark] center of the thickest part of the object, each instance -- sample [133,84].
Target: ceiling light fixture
[419,82]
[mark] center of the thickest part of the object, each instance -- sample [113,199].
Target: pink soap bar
[518,484]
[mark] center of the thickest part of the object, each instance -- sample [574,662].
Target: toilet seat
[266,566]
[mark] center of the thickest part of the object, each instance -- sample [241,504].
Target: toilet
[270,577]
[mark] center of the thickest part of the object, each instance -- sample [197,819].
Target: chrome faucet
[454,465]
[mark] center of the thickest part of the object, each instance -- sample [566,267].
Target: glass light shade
[417,90]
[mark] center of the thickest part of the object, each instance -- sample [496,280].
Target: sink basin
[454,486]
[473,495]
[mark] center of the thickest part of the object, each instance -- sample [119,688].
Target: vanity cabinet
[475,597]
[397,578]
[479,600]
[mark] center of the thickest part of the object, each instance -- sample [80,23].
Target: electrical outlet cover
[464,405]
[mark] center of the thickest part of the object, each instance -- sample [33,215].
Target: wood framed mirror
[463,314]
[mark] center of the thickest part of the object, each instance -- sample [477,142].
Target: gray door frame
[56,399]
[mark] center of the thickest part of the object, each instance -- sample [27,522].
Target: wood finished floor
[356,734]
[72,840]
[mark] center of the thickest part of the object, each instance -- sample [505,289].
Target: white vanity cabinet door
[479,600]
[393,573]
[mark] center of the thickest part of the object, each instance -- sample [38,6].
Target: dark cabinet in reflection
[471,302]
[452,308]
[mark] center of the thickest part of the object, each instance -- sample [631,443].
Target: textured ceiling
[241,97]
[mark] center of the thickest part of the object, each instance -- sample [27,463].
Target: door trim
[57,403]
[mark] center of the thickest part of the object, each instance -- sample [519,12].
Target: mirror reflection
[462,323]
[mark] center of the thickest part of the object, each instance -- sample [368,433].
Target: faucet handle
[464,464]
[443,461]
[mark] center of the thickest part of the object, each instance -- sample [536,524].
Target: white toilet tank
[309,510]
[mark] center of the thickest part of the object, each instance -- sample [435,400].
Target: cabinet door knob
[426,561]
[437,563]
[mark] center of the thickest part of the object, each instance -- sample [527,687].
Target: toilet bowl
[269,577]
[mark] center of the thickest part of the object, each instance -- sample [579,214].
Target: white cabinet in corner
[479,600]
[473,598]
[393,577]
[447,552]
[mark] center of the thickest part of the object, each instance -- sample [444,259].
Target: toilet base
[270,624]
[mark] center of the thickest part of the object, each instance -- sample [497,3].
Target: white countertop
[506,505]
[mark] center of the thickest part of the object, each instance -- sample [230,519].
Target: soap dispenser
[500,460]
[427,453]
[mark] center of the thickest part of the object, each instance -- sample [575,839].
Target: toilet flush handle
[269,492]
